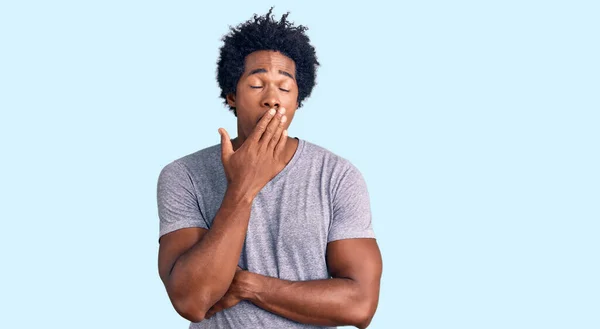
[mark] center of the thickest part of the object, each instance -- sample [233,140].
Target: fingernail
[282,110]
[284,119]
[272,111]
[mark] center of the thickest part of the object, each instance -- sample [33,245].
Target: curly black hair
[264,33]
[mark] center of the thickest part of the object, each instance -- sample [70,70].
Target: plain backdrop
[474,123]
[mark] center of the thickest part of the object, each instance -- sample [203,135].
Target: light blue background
[475,124]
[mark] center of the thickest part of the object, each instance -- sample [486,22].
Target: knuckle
[276,136]
[267,118]
[263,123]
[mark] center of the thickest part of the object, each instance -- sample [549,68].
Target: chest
[287,233]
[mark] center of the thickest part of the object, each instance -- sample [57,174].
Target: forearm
[202,275]
[329,302]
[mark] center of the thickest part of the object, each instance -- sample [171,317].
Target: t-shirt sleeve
[351,208]
[178,205]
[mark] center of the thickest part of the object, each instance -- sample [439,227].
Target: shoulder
[328,157]
[331,164]
[206,158]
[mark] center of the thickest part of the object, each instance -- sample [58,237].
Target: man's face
[268,81]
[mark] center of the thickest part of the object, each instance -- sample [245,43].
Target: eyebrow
[255,71]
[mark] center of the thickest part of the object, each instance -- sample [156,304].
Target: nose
[271,103]
[271,100]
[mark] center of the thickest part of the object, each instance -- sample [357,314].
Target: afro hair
[264,33]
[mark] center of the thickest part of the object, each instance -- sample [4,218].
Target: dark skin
[199,267]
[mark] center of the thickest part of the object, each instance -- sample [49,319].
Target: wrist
[239,196]
[250,285]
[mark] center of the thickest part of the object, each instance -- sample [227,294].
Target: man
[265,230]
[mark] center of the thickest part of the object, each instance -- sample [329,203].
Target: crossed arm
[350,297]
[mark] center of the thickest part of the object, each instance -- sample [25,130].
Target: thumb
[226,147]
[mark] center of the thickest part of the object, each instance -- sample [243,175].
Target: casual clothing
[317,198]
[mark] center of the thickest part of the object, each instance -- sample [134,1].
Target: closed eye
[258,87]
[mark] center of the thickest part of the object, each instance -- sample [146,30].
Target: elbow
[191,306]
[363,322]
[192,310]
[192,303]
[364,314]
[192,316]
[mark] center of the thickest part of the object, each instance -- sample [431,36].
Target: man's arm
[197,265]
[350,297]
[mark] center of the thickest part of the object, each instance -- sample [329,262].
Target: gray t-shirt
[317,198]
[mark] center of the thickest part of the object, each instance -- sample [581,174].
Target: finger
[277,135]
[230,303]
[262,125]
[226,146]
[271,128]
[281,144]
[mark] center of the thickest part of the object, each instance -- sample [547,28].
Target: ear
[231,99]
